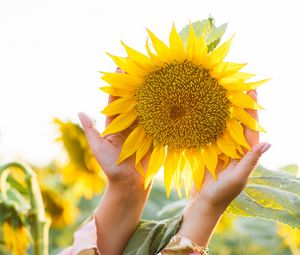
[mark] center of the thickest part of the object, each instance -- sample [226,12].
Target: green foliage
[151,236]
[248,236]
[157,201]
[213,34]
[272,195]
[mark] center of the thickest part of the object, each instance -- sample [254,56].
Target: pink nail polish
[82,118]
[265,148]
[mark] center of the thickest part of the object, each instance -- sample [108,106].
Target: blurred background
[50,52]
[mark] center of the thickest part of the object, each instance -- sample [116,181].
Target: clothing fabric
[85,243]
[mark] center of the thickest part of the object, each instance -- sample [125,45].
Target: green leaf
[291,169]
[213,33]
[273,195]
[199,27]
[214,37]
[16,200]
[151,236]
[158,200]
[172,209]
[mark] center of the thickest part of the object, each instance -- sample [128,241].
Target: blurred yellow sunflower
[186,106]
[16,239]
[290,236]
[82,171]
[60,210]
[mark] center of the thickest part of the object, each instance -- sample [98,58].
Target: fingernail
[253,93]
[265,148]
[83,119]
[80,116]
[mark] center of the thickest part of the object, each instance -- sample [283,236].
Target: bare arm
[120,209]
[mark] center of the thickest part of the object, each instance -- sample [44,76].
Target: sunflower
[82,171]
[183,104]
[290,237]
[16,239]
[61,211]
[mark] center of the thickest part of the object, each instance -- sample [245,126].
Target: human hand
[107,150]
[206,207]
[121,206]
[218,194]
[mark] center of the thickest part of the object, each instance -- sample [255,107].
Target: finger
[252,136]
[90,131]
[245,167]
[109,119]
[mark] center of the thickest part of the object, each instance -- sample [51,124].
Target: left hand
[206,207]
[120,208]
[107,150]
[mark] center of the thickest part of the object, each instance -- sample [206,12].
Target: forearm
[199,222]
[117,217]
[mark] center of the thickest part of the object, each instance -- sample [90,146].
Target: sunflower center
[181,105]
[177,111]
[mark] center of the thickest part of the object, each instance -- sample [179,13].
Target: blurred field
[72,188]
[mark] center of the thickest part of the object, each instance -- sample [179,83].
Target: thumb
[90,132]
[245,167]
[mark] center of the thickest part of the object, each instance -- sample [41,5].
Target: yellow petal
[156,160]
[216,148]
[127,65]
[218,55]
[210,159]
[120,123]
[225,69]
[155,59]
[225,159]
[227,146]
[198,175]
[143,149]
[140,59]
[236,131]
[161,48]
[117,92]
[201,51]
[243,100]
[197,165]
[177,175]
[244,86]
[171,165]
[120,105]
[191,45]
[176,45]
[122,81]
[132,143]
[239,149]
[139,168]
[188,180]
[246,119]
[236,77]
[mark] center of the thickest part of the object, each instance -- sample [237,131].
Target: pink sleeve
[85,240]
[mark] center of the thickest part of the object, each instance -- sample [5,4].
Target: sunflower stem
[40,228]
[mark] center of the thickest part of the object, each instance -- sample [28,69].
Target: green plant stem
[40,228]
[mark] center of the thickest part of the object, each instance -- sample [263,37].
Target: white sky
[50,52]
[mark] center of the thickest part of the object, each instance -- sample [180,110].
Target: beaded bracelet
[201,250]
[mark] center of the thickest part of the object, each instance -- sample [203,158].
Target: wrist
[205,208]
[118,214]
[126,192]
[199,221]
